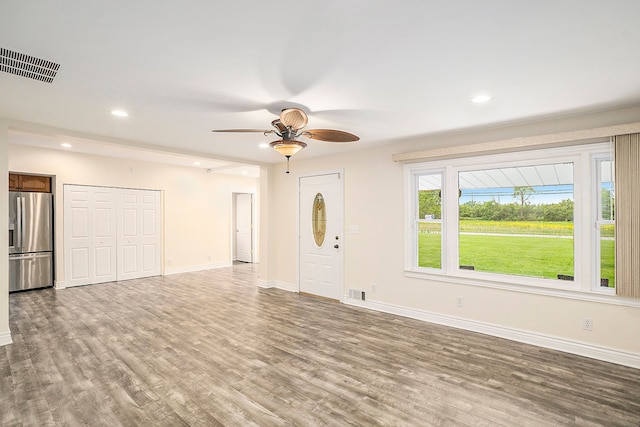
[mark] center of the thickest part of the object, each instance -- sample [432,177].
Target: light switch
[354,229]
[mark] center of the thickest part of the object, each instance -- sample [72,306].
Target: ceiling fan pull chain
[288,157]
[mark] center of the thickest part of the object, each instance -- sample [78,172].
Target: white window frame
[597,222]
[582,157]
[414,219]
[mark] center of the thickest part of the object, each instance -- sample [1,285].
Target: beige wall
[197,206]
[4,235]
[197,213]
[264,268]
[374,202]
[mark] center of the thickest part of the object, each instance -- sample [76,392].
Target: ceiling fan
[289,126]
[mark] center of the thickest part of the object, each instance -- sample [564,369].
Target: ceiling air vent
[27,66]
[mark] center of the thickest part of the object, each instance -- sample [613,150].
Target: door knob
[336,246]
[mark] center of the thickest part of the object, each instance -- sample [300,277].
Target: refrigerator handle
[24,220]
[18,231]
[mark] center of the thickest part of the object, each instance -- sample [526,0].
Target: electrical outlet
[587,324]
[373,287]
[209,258]
[168,262]
[459,301]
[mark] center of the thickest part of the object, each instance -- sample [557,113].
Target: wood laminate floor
[210,348]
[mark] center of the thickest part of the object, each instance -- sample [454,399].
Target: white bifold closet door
[138,234]
[89,235]
[110,234]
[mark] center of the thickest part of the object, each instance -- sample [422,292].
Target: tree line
[494,211]
[519,210]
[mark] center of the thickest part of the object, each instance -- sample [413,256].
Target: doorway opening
[243,228]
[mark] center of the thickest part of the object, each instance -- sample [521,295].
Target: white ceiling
[101,148]
[383,70]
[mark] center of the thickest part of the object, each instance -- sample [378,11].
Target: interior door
[244,227]
[110,234]
[321,230]
[89,235]
[138,234]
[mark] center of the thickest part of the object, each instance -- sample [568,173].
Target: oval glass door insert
[319,219]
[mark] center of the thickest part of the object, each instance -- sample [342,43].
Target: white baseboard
[192,268]
[65,285]
[268,284]
[5,338]
[561,344]
[59,284]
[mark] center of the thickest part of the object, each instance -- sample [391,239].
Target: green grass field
[528,256]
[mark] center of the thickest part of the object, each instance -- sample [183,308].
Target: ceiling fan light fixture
[287,148]
[289,127]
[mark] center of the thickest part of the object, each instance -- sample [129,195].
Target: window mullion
[413,217]
[450,224]
[597,210]
[582,229]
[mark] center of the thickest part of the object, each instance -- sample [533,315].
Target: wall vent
[356,294]
[27,66]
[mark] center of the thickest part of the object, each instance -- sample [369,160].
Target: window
[522,218]
[518,220]
[319,219]
[605,225]
[428,223]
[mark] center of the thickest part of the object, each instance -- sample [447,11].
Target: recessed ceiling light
[244,172]
[65,145]
[264,145]
[119,113]
[196,163]
[480,99]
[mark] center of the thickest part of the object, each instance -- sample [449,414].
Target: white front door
[321,232]
[244,226]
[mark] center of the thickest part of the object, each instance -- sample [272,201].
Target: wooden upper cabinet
[14,181]
[36,183]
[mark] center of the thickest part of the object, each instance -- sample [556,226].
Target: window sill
[574,293]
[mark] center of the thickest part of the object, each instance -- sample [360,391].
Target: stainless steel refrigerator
[30,240]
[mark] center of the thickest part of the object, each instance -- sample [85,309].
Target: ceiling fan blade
[242,130]
[293,118]
[276,123]
[330,135]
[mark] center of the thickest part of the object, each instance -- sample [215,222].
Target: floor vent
[356,294]
[27,66]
